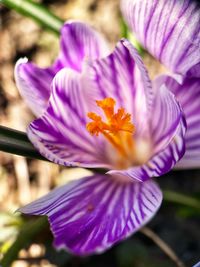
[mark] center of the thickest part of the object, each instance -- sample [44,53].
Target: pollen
[117,127]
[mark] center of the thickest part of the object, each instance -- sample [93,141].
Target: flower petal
[90,215]
[194,71]
[123,77]
[34,84]
[169,30]
[60,134]
[168,129]
[188,94]
[78,41]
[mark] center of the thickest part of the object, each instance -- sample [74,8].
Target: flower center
[117,127]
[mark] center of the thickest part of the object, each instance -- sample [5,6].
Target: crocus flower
[106,116]
[169,30]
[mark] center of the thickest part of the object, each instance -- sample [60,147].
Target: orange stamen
[118,128]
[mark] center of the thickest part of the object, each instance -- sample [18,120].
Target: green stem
[181,199]
[37,12]
[25,236]
[124,28]
[16,142]
[126,33]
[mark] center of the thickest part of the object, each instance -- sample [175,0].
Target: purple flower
[105,116]
[169,30]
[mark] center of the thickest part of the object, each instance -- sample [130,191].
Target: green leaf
[25,236]
[37,12]
[124,28]
[17,142]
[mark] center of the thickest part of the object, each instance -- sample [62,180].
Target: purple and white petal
[123,77]
[194,71]
[92,214]
[168,29]
[168,130]
[60,134]
[188,95]
[34,84]
[78,42]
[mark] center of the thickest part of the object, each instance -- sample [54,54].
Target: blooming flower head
[170,31]
[106,116]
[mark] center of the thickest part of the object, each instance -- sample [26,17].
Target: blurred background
[23,180]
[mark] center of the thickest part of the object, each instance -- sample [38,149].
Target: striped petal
[188,94]
[90,215]
[34,84]
[123,77]
[168,129]
[60,134]
[78,41]
[168,29]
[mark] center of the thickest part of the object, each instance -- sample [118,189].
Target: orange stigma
[117,128]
